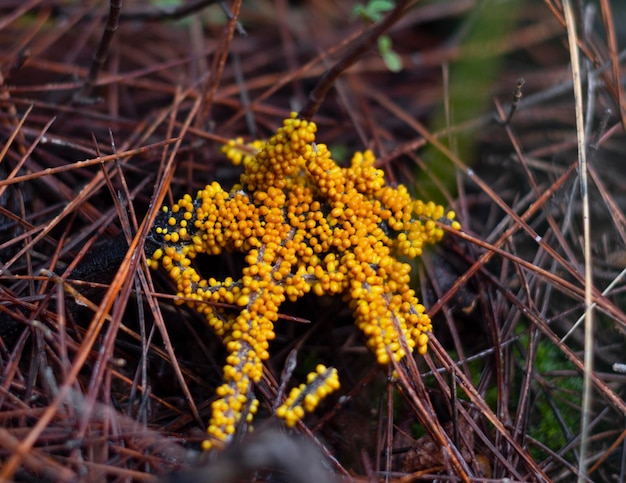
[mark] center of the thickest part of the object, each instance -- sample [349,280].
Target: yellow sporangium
[305,224]
[306,397]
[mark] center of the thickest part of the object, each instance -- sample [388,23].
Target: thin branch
[100,57]
[517,97]
[611,41]
[364,43]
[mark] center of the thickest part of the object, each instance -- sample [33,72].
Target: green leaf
[373,11]
[392,60]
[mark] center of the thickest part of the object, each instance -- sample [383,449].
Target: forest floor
[108,111]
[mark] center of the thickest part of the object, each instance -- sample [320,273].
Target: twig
[609,27]
[99,58]
[219,61]
[517,97]
[364,43]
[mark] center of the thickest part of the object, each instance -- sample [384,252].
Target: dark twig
[363,44]
[611,42]
[176,13]
[219,60]
[99,58]
[517,97]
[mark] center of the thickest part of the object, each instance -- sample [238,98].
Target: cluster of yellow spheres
[306,397]
[305,224]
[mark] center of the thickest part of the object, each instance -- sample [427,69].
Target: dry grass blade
[584,188]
